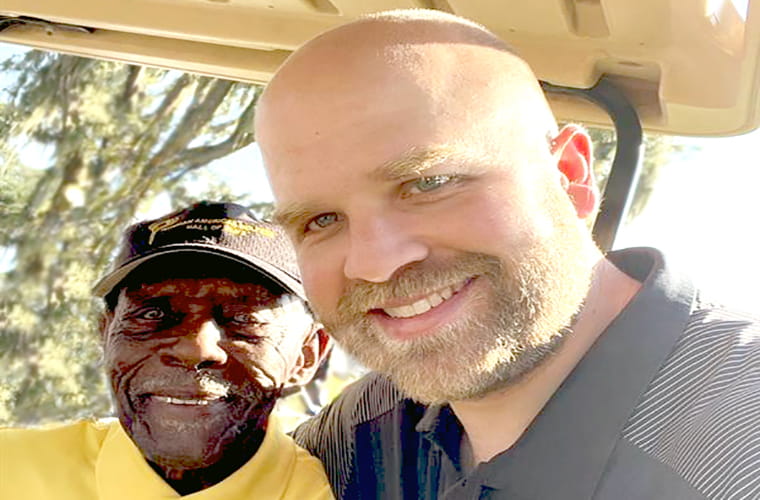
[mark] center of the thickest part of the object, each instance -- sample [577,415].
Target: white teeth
[423,305]
[448,292]
[180,401]
[401,312]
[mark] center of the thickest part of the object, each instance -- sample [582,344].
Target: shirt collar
[122,472]
[440,426]
[567,446]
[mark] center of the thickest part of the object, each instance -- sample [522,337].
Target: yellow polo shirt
[91,460]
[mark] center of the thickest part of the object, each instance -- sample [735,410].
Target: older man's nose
[201,347]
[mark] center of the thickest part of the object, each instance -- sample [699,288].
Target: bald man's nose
[379,247]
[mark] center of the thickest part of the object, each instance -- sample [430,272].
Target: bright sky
[241,170]
[704,214]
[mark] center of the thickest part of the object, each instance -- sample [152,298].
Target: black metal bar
[624,174]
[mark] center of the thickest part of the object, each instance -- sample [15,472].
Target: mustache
[179,381]
[420,278]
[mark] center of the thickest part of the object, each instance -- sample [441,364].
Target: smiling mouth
[425,304]
[185,401]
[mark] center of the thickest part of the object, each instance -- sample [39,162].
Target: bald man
[440,220]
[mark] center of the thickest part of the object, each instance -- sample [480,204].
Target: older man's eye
[322,221]
[247,319]
[426,184]
[151,313]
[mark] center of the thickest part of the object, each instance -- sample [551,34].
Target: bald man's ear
[315,349]
[572,150]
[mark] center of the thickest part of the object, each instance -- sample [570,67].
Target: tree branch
[197,116]
[194,158]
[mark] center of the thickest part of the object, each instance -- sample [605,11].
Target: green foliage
[85,146]
[659,151]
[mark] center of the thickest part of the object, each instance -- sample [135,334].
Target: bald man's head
[454,68]
[404,29]
[408,154]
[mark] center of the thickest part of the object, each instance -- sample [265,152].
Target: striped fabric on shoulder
[376,396]
[701,413]
[330,435]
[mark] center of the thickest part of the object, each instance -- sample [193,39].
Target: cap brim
[278,276]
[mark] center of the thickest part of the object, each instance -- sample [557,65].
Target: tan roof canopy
[689,66]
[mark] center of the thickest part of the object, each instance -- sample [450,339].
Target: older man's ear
[316,346]
[104,321]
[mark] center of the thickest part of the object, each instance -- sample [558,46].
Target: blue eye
[322,221]
[426,184]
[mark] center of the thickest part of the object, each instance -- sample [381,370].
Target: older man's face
[195,364]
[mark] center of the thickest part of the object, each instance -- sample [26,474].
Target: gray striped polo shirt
[665,405]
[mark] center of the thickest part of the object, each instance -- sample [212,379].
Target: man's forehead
[354,82]
[336,103]
[427,70]
[411,43]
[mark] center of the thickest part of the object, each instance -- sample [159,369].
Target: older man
[439,217]
[205,325]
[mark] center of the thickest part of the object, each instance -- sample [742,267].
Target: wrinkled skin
[195,367]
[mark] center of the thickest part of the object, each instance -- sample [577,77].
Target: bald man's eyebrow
[416,163]
[293,216]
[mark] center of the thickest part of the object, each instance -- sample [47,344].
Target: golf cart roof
[689,67]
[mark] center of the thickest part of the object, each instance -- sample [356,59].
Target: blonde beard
[530,307]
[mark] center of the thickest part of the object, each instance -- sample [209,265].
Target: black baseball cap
[221,229]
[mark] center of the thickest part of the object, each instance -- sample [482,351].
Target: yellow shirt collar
[122,472]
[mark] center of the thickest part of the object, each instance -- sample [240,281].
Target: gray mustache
[203,383]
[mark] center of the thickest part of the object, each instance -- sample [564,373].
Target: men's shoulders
[362,401]
[64,453]
[699,414]
[710,311]
[309,480]
[331,435]
[85,435]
